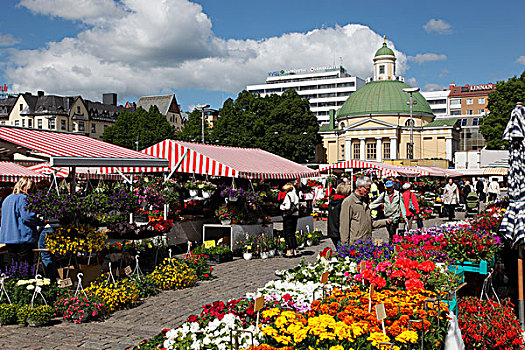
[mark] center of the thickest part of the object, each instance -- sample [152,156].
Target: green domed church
[375,122]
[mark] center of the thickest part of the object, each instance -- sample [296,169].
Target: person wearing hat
[411,205]
[393,207]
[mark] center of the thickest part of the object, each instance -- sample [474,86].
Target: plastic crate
[452,305]
[458,271]
[478,267]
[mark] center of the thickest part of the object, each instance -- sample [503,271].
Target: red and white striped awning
[82,173]
[251,163]
[11,172]
[495,171]
[70,149]
[386,169]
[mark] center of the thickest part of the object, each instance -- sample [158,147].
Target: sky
[206,51]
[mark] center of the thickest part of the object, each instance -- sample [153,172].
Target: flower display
[173,274]
[200,263]
[121,295]
[76,239]
[485,324]
[224,213]
[365,249]
[340,270]
[78,309]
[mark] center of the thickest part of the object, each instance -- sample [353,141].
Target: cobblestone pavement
[166,310]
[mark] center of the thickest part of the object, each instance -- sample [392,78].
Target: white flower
[30,287]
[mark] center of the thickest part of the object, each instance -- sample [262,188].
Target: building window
[455,101]
[381,69]
[93,128]
[357,151]
[386,150]
[455,112]
[342,151]
[21,107]
[17,122]
[342,126]
[470,101]
[470,112]
[39,123]
[62,124]
[81,126]
[475,121]
[51,124]
[74,126]
[481,111]
[23,123]
[371,150]
[464,122]
[410,154]
[409,122]
[29,123]
[481,100]
[78,109]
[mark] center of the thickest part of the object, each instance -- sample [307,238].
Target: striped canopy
[83,173]
[198,158]
[70,149]
[11,172]
[495,171]
[386,169]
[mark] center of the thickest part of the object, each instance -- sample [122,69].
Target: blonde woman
[290,209]
[19,226]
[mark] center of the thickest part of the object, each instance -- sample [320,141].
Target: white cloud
[444,73]
[521,60]
[83,10]
[412,81]
[144,50]
[427,57]
[439,26]
[434,87]
[8,40]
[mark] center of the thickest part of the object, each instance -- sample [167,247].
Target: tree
[148,128]
[192,130]
[283,125]
[500,104]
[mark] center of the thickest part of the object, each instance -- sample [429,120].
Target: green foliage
[192,131]
[148,127]
[501,102]
[283,125]
[8,313]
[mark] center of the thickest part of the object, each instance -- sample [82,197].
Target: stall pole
[72,185]
[521,302]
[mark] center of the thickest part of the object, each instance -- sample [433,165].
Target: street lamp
[202,107]
[411,91]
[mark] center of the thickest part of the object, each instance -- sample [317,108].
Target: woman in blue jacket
[19,226]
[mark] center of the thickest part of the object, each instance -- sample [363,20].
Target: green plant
[38,315]
[173,274]
[8,313]
[146,285]
[22,313]
[78,309]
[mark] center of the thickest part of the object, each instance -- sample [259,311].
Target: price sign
[128,271]
[209,244]
[378,242]
[324,277]
[259,304]
[380,312]
[65,283]
[372,291]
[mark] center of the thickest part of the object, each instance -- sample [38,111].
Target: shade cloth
[11,172]
[71,149]
[513,224]
[198,158]
[386,169]
[83,173]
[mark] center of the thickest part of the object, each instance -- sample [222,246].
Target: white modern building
[438,101]
[326,87]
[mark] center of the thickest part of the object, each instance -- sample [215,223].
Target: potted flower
[78,309]
[301,239]
[233,194]
[225,214]
[193,187]
[247,251]
[39,315]
[207,189]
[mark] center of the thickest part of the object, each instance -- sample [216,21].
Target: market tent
[499,167]
[386,169]
[11,172]
[70,149]
[198,158]
[82,172]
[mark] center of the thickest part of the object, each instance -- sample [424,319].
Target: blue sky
[208,50]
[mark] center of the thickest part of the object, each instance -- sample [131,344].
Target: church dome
[384,51]
[384,97]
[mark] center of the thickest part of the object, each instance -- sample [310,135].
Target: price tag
[209,244]
[128,271]
[380,312]
[371,295]
[362,266]
[324,277]
[65,283]
[117,272]
[378,242]
[259,304]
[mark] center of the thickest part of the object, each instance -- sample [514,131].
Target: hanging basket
[194,193]
[233,199]
[226,222]
[207,194]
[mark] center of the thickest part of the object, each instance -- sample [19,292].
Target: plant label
[209,244]
[362,266]
[259,304]
[65,283]
[324,277]
[380,312]
[371,291]
[128,271]
[378,242]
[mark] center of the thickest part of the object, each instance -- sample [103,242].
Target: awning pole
[128,180]
[72,186]
[521,302]
[177,166]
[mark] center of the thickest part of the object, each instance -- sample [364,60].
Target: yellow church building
[375,123]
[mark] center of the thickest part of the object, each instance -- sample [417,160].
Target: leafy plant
[8,313]
[78,309]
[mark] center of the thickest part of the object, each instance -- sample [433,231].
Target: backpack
[293,208]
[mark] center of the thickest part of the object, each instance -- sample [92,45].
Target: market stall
[11,172]
[385,169]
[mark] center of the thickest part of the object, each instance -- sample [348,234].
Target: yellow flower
[336,347]
[377,338]
[407,336]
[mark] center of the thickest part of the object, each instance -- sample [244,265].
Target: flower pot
[301,246]
[32,323]
[194,193]
[233,199]
[271,253]
[226,222]
[206,194]
[309,243]
[247,256]
[264,255]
